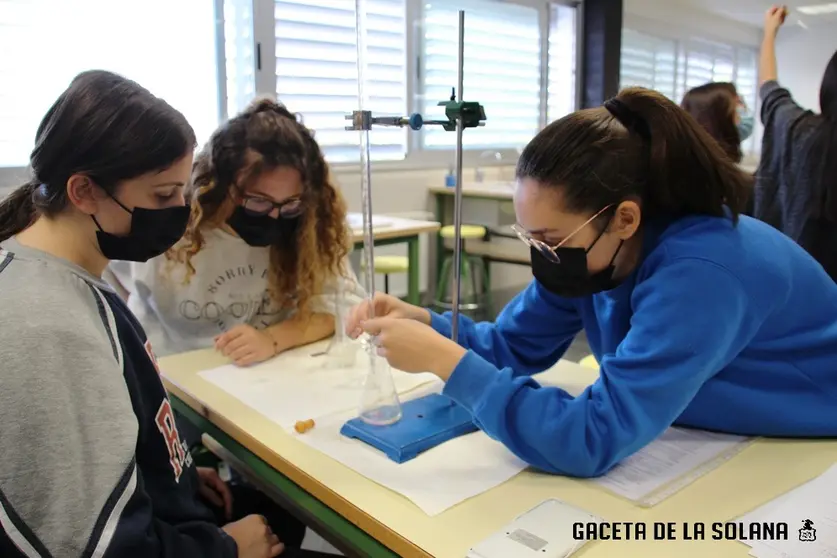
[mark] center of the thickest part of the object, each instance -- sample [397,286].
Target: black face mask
[153,231]
[262,230]
[570,278]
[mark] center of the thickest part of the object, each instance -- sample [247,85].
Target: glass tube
[342,351]
[379,403]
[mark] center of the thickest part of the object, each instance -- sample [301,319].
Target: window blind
[701,62]
[673,67]
[502,70]
[316,71]
[53,40]
[649,62]
[561,92]
[746,81]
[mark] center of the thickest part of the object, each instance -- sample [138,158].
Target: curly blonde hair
[266,136]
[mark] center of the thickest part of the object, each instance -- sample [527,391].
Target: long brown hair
[265,136]
[713,105]
[642,145]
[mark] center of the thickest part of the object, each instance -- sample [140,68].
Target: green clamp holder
[471,112]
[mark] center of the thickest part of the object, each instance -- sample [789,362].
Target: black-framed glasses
[257,205]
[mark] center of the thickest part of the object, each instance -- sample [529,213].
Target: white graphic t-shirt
[228,288]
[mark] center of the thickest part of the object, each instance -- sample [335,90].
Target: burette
[459,115]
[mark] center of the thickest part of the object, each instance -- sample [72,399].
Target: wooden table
[400,231]
[364,519]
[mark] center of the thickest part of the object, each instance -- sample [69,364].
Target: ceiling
[752,12]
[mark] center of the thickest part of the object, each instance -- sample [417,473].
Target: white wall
[802,56]
[679,18]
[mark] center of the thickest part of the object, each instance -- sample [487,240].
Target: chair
[475,288]
[388,265]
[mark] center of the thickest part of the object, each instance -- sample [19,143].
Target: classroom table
[397,230]
[365,519]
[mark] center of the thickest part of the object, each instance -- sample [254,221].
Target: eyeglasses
[256,205]
[549,252]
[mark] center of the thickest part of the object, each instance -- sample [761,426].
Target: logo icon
[807,533]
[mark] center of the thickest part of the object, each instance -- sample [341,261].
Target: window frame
[415,157]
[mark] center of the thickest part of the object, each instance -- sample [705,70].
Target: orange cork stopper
[303,426]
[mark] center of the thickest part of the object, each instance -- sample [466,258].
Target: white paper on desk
[816,501]
[674,455]
[296,386]
[759,514]
[378,222]
[435,480]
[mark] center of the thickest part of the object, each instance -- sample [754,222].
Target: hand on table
[246,345]
[254,538]
[413,346]
[215,490]
[384,306]
[774,18]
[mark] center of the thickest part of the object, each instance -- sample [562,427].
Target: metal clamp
[363,120]
[459,115]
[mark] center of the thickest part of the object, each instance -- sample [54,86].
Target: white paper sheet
[545,531]
[814,501]
[296,386]
[672,456]
[435,480]
[378,222]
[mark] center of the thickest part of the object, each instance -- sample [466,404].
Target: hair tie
[628,118]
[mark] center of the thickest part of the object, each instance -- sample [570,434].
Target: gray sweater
[786,180]
[91,461]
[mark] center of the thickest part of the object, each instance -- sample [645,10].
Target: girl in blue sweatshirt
[697,316]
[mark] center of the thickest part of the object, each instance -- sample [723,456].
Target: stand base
[426,422]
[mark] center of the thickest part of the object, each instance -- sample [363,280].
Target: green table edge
[348,532]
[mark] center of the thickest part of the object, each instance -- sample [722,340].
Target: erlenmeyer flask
[379,403]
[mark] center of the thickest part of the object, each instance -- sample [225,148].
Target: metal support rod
[457,204]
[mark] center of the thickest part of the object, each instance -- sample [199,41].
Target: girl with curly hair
[264,255]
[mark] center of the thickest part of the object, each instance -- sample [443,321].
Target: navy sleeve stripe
[108,321]
[21,536]
[6,260]
[105,526]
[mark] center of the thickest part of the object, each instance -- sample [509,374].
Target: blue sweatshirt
[720,327]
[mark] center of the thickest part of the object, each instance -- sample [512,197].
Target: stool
[475,289]
[387,265]
[590,362]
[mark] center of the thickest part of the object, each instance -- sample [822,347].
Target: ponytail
[641,145]
[688,171]
[17,210]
